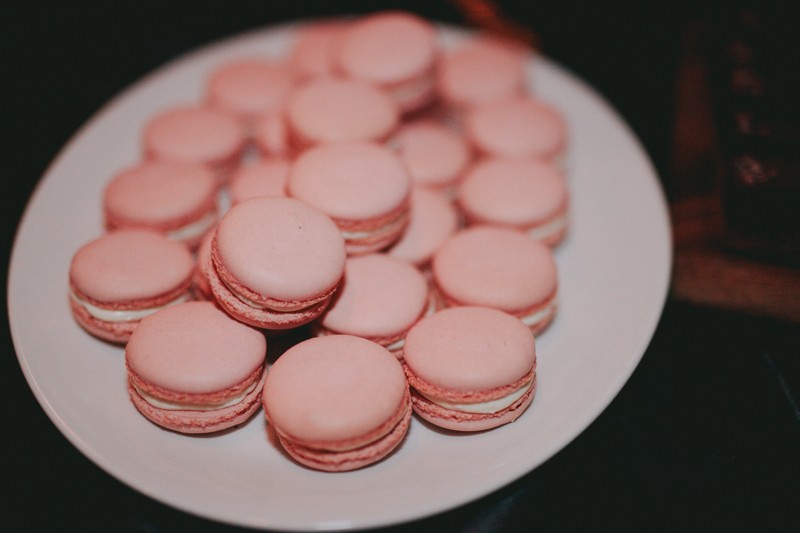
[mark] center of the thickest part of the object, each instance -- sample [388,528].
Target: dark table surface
[705,435]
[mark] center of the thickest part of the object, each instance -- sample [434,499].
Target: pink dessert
[338,402]
[497,267]
[523,193]
[275,262]
[200,287]
[250,88]
[435,155]
[270,136]
[470,368]
[517,127]
[432,219]
[266,177]
[362,186]
[396,51]
[120,278]
[199,134]
[328,109]
[193,369]
[176,198]
[314,51]
[479,71]
[380,300]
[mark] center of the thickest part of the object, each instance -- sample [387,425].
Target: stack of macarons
[394,203]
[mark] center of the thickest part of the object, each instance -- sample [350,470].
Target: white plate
[614,273]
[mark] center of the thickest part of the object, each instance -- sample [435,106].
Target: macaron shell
[461,421]
[350,181]
[194,349]
[280,248]
[266,177]
[201,421]
[200,134]
[517,192]
[380,297]
[334,392]
[130,266]
[200,286]
[495,267]
[265,318]
[434,154]
[116,332]
[432,219]
[388,47]
[321,110]
[250,87]
[469,350]
[162,195]
[352,459]
[517,127]
[480,71]
[314,51]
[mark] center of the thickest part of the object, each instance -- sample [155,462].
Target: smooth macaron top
[250,87]
[350,181]
[333,388]
[329,109]
[467,349]
[432,219]
[517,127]
[266,177]
[388,47]
[194,133]
[160,192]
[280,247]
[434,154]
[482,70]
[513,191]
[495,267]
[314,50]
[380,296]
[194,348]
[130,265]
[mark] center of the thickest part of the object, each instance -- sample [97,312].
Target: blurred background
[706,433]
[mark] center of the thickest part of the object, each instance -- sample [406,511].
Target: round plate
[614,270]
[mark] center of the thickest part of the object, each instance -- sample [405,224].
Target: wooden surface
[706,270]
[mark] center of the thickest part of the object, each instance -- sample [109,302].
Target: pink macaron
[270,136]
[362,186]
[435,155]
[517,127]
[313,52]
[497,267]
[394,50]
[266,177]
[480,70]
[432,219]
[200,134]
[337,403]
[329,109]
[200,287]
[381,298]
[120,278]
[193,369]
[524,193]
[275,262]
[470,368]
[250,88]
[176,198]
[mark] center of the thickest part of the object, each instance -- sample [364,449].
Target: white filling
[540,315]
[551,228]
[491,406]
[396,345]
[257,305]
[409,92]
[172,406]
[115,315]
[194,229]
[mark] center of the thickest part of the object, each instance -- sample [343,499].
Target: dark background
[705,435]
